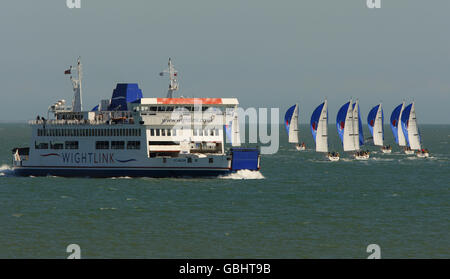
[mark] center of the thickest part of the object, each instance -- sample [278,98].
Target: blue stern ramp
[245,159]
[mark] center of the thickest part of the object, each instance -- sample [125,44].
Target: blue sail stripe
[315,120]
[288,117]
[404,121]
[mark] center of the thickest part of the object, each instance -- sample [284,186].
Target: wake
[243,174]
[6,170]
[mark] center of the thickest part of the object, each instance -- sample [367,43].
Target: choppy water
[299,206]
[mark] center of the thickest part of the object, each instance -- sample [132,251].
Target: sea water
[298,206]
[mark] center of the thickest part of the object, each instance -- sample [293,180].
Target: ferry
[129,135]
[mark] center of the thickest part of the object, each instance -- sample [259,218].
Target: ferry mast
[77,104]
[173,79]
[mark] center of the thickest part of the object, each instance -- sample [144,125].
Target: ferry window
[174,132]
[169,109]
[211,132]
[117,145]
[133,145]
[195,132]
[157,132]
[169,132]
[163,132]
[189,160]
[153,108]
[217,132]
[211,160]
[42,145]
[71,144]
[139,130]
[57,146]
[152,132]
[102,145]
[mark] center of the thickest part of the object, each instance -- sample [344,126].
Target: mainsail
[396,129]
[291,123]
[319,127]
[375,120]
[409,127]
[344,124]
[357,126]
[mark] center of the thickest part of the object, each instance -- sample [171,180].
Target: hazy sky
[266,53]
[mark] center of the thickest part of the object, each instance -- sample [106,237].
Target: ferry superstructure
[129,135]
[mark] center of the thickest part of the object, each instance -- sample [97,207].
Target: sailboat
[291,124]
[319,130]
[358,133]
[375,120]
[411,131]
[349,127]
[397,130]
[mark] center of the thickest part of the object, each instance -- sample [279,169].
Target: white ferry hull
[110,164]
[119,172]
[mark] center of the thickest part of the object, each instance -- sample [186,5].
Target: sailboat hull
[333,158]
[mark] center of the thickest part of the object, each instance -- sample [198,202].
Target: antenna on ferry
[173,79]
[77,105]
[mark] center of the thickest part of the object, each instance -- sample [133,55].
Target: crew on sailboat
[386,149]
[300,146]
[423,153]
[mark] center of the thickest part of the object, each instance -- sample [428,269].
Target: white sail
[413,131]
[378,127]
[356,125]
[322,130]
[348,138]
[293,127]
[401,136]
